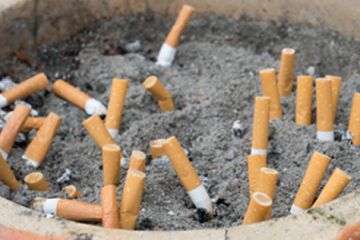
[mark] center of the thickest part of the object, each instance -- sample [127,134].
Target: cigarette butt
[36,152]
[72,192]
[110,211]
[32,123]
[286,71]
[354,121]
[156,88]
[310,183]
[166,105]
[68,209]
[24,89]
[78,98]
[111,154]
[259,206]
[335,93]
[36,181]
[12,128]
[116,106]
[137,160]
[270,89]
[324,110]
[131,198]
[304,93]
[255,163]
[187,174]
[260,132]
[156,148]
[98,131]
[266,183]
[7,175]
[334,186]
[168,49]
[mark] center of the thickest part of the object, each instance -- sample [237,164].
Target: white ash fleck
[160,161]
[6,83]
[65,177]
[50,215]
[33,112]
[20,138]
[238,129]
[133,46]
[310,70]
[171,213]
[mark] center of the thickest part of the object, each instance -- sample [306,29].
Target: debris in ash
[132,47]
[160,161]
[20,138]
[230,155]
[310,70]
[201,215]
[238,129]
[65,177]
[6,83]
[342,136]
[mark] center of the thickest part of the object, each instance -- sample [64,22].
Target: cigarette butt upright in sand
[137,160]
[286,71]
[270,89]
[32,123]
[24,89]
[187,174]
[131,198]
[98,131]
[36,152]
[260,132]
[354,121]
[335,93]
[78,98]
[324,110]
[334,186]
[168,49]
[304,92]
[258,208]
[68,209]
[310,183]
[110,211]
[255,163]
[115,106]
[156,148]
[72,192]
[158,90]
[266,183]
[111,154]
[36,181]
[12,129]
[7,175]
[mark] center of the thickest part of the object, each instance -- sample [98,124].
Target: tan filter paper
[156,148]
[258,208]
[166,105]
[110,211]
[116,103]
[333,188]
[180,162]
[354,121]
[32,123]
[324,108]
[72,192]
[255,163]
[261,115]
[266,183]
[156,88]
[270,89]
[12,128]
[131,199]
[286,71]
[40,145]
[26,88]
[7,175]
[70,93]
[304,92]
[312,180]
[111,154]
[137,160]
[98,131]
[335,93]
[36,181]
[173,38]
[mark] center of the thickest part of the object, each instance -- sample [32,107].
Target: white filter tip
[3,101]
[255,151]
[30,162]
[113,132]
[201,199]
[4,154]
[295,210]
[93,106]
[325,136]
[50,206]
[166,55]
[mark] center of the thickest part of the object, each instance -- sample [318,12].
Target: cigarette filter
[255,163]
[131,198]
[12,129]
[32,123]
[7,175]
[310,183]
[78,98]
[158,90]
[36,152]
[168,49]
[116,106]
[111,154]
[156,148]
[110,211]
[286,71]
[24,89]
[260,132]
[335,93]
[68,209]
[36,181]
[187,174]
[334,186]
[72,192]
[137,160]
[270,89]
[324,110]
[259,206]
[354,121]
[98,131]
[304,93]
[266,183]
[166,105]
